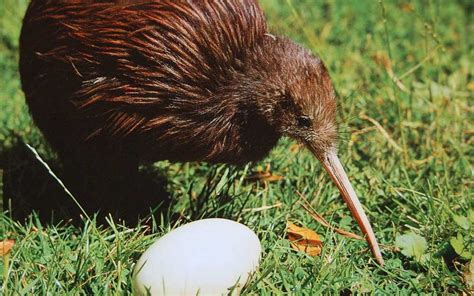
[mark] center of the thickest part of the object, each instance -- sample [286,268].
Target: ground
[404,76]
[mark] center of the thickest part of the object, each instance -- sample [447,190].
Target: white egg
[205,257]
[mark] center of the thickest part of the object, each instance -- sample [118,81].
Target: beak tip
[379,259]
[333,166]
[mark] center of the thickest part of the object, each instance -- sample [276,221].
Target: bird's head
[307,109]
[302,105]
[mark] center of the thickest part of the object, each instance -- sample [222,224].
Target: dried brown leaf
[307,206]
[6,246]
[407,7]
[304,239]
[296,147]
[264,176]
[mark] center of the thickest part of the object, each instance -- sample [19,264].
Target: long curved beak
[333,166]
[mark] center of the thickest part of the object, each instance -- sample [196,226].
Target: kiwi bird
[112,84]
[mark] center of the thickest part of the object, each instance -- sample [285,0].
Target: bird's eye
[304,121]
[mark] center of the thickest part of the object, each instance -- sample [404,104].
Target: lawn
[404,75]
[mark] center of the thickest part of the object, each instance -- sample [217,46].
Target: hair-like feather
[137,73]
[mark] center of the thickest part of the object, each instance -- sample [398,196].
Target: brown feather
[136,71]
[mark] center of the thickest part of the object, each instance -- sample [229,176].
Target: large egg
[205,257]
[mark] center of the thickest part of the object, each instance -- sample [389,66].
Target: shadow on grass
[218,196]
[29,187]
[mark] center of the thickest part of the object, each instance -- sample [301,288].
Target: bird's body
[115,83]
[158,79]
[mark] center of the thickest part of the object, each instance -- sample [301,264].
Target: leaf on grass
[463,222]
[296,147]
[264,176]
[460,246]
[412,245]
[6,246]
[407,7]
[304,239]
[307,206]
[470,214]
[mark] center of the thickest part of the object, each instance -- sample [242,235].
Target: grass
[404,75]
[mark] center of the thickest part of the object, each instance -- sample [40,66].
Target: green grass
[408,151]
